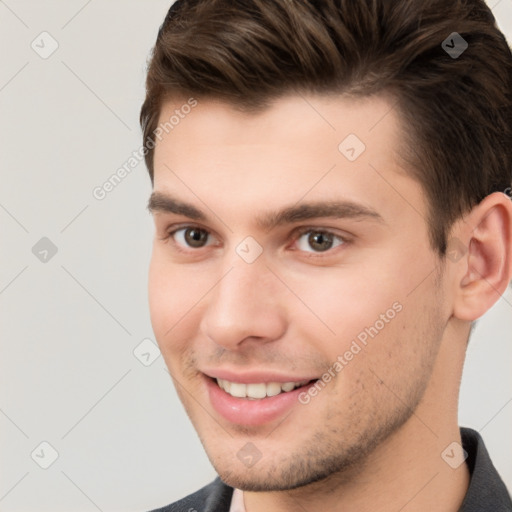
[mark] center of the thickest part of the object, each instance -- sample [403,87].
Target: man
[330,199]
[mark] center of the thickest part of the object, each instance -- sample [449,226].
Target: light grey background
[69,325]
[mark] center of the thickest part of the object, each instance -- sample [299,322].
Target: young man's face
[293,259]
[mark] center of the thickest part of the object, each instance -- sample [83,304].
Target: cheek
[175,293]
[369,314]
[341,304]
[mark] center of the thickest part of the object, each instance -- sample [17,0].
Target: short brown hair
[456,111]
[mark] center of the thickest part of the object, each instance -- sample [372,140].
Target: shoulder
[214,497]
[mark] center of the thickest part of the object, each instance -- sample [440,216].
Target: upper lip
[254,376]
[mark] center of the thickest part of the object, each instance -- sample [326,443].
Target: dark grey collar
[486,491]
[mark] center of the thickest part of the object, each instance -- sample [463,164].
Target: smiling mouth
[258,391]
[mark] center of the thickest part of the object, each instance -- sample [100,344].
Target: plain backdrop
[73,277]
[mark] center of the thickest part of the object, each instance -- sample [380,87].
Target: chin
[285,475]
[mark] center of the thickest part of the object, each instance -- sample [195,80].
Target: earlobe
[487,265]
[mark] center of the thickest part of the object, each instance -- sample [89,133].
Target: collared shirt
[486,491]
[237,502]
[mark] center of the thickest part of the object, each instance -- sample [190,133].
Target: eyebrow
[344,209]
[162,203]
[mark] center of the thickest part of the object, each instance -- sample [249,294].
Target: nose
[244,308]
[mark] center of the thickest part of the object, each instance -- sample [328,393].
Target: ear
[485,270]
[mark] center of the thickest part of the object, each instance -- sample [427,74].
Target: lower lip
[244,411]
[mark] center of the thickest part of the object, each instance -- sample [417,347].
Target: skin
[374,435]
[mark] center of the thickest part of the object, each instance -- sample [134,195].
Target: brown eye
[318,241]
[191,237]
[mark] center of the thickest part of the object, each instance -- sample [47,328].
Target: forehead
[319,147]
[286,121]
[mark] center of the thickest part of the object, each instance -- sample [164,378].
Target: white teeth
[258,391]
[237,389]
[273,389]
[288,386]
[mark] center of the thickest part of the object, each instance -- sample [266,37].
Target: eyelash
[297,234]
